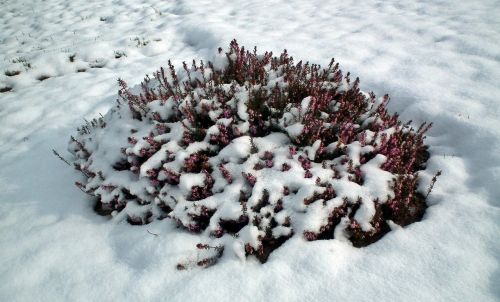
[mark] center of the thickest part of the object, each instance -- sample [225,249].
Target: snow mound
[249,150]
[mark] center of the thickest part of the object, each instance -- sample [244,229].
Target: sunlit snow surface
[439,61]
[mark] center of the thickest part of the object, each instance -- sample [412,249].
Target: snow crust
[437,59]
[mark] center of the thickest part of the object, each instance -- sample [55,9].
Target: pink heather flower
[305,162]
[250,178]
[132,140]
[108,188]
[156,116]
[172,177]
[362,138]
[310,236]
[194,228]
[253,129]
[258,166]
[337,77]
[150,141]
[202,246]
[162,128]
[354,224]
[286,191]
[330,190]
[151,173]
[227,113]
[225,173]
[268,155]
[218,233]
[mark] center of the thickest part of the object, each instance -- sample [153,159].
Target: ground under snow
[439,61]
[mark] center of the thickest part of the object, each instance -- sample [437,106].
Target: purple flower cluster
[190,116]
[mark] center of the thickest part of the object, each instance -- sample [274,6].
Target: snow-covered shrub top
[254,149]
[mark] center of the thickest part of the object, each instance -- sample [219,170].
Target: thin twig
[433,181]
[60,157]
[88,193]
[153,233]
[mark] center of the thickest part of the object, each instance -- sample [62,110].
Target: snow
[376,180]
[437,59]
[189,180]
[237,150]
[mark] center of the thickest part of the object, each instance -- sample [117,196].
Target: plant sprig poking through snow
[255,149]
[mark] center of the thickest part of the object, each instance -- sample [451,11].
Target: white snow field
[439,60]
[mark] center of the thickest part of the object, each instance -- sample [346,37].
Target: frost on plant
[254,149]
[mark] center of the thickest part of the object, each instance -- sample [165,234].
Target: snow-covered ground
[439,61]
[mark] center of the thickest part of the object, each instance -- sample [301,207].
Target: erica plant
[254,148]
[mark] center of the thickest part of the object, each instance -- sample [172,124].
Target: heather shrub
[255,149]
